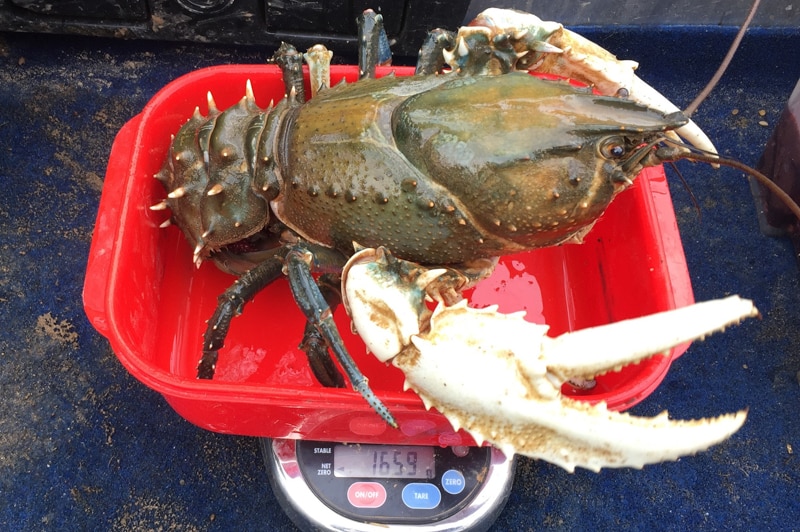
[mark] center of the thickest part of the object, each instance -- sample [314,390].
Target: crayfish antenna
[692,107]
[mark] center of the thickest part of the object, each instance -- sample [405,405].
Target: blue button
[453,481]
[421,496]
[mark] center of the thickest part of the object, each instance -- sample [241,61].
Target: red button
[368,426]
[366,494]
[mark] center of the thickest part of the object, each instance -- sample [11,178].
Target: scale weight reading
[338,486]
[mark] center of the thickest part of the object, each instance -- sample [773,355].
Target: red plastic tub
[144,294]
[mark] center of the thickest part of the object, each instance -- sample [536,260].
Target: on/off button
[366,494]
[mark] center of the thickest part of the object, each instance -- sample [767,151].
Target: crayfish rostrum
[450,167]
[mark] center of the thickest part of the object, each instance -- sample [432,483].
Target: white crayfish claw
[499,377]
[525,42]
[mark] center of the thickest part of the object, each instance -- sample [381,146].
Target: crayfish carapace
[450,168]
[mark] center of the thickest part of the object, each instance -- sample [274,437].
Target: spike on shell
[212,105]
[463,49]
[248,92]
[177,193]
[198,249]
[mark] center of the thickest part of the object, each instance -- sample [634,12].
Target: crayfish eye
[612,148]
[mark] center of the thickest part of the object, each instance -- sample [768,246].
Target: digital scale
[355,487]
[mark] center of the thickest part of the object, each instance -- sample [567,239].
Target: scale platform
[354,487]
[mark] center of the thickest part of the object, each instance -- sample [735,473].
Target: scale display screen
[384,461]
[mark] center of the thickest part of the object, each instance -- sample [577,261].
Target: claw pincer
[499,377]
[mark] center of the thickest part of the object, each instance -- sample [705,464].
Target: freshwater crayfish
[444,169]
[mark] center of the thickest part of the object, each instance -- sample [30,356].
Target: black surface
[83,446]
[263,23]
[771,13]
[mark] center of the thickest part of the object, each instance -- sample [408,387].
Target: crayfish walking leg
[230,304]
[301,261]
[314,344]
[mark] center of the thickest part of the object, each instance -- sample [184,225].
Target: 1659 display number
[384,461]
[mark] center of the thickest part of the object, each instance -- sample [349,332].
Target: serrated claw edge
[499,377]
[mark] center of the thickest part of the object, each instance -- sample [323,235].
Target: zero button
[453,481]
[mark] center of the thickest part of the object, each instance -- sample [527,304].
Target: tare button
[421,496]
[366,494]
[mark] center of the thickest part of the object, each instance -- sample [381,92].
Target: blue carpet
[84,446]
